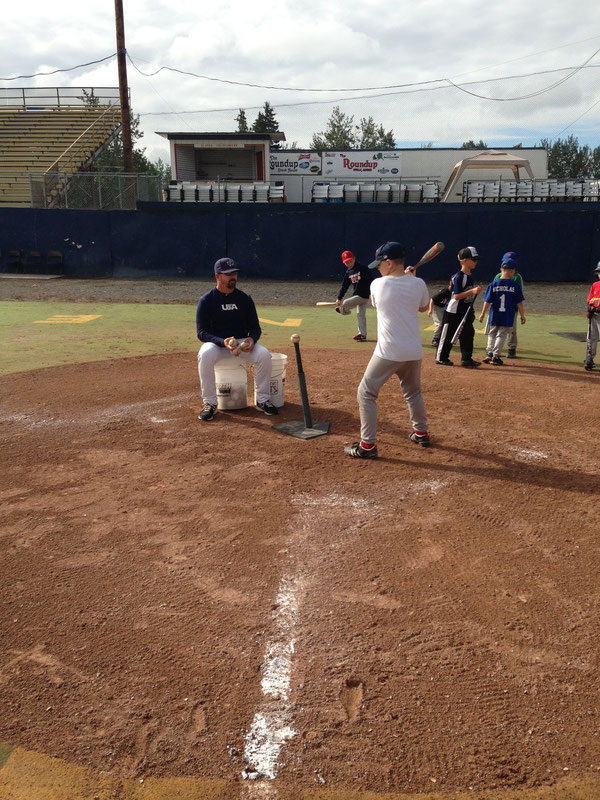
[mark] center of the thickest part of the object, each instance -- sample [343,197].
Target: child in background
[503,297]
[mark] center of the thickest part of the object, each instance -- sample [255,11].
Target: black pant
[450,323]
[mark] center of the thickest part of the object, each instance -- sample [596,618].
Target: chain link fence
[94,191]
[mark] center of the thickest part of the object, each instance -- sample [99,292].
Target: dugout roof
[489,159]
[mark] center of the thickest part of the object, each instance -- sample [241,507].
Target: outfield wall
[554,242]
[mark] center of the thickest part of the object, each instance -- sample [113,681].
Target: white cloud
[310,44]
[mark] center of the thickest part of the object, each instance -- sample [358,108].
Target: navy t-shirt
[220,316]
[360,277]
[460,283]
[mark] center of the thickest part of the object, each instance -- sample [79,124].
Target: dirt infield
[425,622]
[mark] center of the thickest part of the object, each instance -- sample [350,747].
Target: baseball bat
[324,303]
[588,346]
[461,325]
[431,253]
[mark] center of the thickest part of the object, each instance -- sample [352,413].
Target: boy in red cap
[360,277]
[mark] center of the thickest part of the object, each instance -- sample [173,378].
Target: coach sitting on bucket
[227,323]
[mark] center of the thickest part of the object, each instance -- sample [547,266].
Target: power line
[448,85]
[354,89]
[54,71]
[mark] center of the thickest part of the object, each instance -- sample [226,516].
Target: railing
[58,97]
[94,191]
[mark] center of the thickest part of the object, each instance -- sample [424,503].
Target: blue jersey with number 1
[504,294]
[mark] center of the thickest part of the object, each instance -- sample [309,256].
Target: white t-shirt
[397,300]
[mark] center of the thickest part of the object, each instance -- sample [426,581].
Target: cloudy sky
[399,61]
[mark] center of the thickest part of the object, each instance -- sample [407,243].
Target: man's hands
[236,347]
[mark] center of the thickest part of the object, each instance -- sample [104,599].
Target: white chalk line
[529,455]
[113,413]
[273,723]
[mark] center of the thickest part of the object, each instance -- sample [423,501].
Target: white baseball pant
[210,353]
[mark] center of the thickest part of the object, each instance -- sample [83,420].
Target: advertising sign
[361,164]
[286,162]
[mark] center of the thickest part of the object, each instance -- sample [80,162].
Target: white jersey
[397,300]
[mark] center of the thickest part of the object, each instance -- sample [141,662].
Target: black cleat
[512,353]
[471,364]
[444,362]
[356,450]
[420,438]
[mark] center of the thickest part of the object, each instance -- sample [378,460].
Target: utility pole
[123,89]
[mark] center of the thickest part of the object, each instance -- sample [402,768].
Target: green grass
[5,751]
[136,329]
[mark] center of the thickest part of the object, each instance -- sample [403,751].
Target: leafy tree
[369,136]
[242,121]
[339,134]
[342,134]
[471,145]
[567,159]
[110,159]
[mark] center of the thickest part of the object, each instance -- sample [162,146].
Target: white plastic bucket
[231,380]
[279,363]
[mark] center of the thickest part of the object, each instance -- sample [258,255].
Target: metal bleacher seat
[524,191]
[383,193]
[491,191]
[431,192]
[276,194]
[174,193]
[413,192]
[262,192]
[395,192]
[351,192]
[320,193]
[591,190]
[204,192]
[366,192]
[190,194]
[541,190]
[233,192]
[574,190]
[558,191]
[336,192]
[508,191]
[473,192]
[247,194]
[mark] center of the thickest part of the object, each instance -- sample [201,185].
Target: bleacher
[41,139]
[369,192]
[536,191]
[223,192]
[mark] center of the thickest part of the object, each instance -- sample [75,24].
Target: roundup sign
[361,163]
[291,163]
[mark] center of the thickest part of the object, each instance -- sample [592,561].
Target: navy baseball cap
[392,250]
[510,256]
[224,266]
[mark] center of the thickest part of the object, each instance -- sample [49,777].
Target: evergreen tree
[369,136]
[242,121]
[266,122]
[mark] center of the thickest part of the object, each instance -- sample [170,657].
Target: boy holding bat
[459,314]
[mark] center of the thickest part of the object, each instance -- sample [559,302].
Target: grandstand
[51,130]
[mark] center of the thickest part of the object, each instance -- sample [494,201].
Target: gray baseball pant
[496,338]
[360,303]
[378,372]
